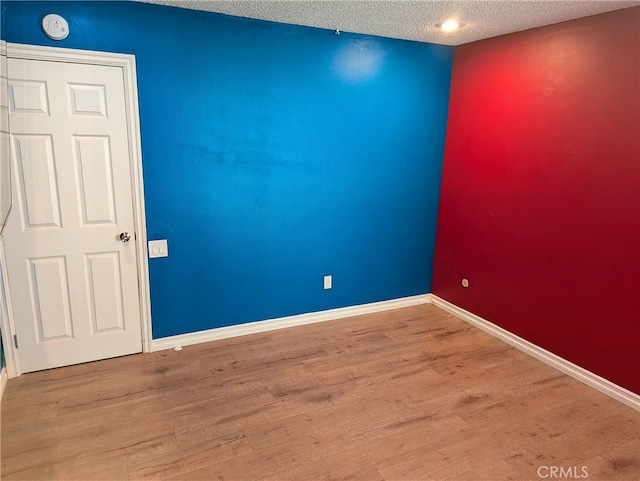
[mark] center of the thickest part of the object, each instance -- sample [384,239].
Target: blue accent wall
[2,9]
[273,155]
[2,23]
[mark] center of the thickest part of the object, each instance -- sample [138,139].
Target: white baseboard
[3,381]
[587,377]
[283,322]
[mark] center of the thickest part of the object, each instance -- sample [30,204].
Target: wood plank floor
[410,394]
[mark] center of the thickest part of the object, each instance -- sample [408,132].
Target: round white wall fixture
[55,27]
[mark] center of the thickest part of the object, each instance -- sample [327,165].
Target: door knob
[125,237]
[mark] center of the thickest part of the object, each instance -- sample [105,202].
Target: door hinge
[15,340]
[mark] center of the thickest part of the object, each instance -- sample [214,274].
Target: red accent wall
[540,196]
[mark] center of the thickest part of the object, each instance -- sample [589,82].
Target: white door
[73,281]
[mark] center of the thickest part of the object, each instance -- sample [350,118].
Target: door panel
[37,182]
[49,295]
[28,97]
[87,99]
[95,180]
[105,292]
[73,282]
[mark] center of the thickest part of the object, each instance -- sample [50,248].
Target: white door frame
[128,65]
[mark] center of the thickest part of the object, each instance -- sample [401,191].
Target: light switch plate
[158,248]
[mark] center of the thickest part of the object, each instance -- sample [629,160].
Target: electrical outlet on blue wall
[158,248]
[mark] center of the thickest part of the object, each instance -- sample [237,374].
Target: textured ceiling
[410,20]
